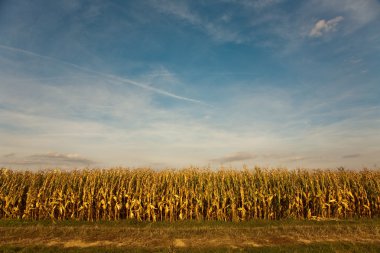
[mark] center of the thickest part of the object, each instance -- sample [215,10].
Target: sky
[173,84]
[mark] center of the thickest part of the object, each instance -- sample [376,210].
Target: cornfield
[188,194]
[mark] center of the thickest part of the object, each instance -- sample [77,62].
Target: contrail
[113,77]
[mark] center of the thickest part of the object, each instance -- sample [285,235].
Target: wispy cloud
[182,11]
[322,26]
[9,155]
[358,13]
[351,156]
[254,5]
[236,157]
[109,76]
[296,158]
[47,160]
[257,4]
[276,159]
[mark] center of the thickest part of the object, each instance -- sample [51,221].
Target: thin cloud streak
[49,159]
[109,76]
[240,156]
[9,155]
[351,156]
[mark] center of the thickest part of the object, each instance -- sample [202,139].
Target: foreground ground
[255,236]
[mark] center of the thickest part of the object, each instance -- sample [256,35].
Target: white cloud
[356,13]
[359,12]
[323,26]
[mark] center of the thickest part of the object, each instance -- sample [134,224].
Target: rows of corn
[190,194]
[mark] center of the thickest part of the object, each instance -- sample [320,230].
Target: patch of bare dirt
[179,243]
[78,243]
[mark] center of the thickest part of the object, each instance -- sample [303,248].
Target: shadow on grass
[189,223]
[300,248]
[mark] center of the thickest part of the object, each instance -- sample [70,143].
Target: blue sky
[178,83]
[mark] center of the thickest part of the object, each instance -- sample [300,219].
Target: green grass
[354,235]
